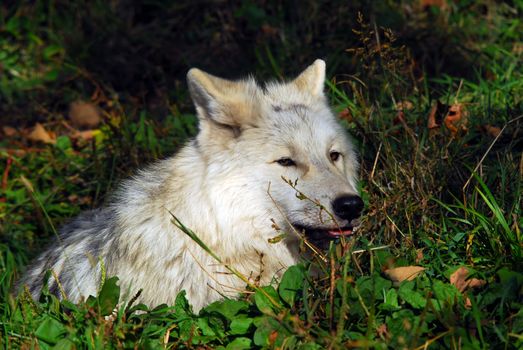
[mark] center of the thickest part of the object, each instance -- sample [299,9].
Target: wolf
[226,185]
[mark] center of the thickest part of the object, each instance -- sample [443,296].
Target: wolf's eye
[286,162]
[335,155]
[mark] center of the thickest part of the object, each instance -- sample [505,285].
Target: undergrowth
[442,194]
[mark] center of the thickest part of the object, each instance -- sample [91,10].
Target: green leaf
[181,305]
[445,292]
[227,308]
[240,325]
[310,346]
[380,285]
[64,344]
[402,322]
[266,299]
[108,296]
[270,332]
[203,324]
[411,296]
[51,75]
[264,328]
[291,282]
[63,142]
[52,50]
[239,344]
[50,330]
[187,329]
[508,276]
[391,300]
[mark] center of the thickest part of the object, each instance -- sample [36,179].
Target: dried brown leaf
[9,131]
[40,134]
[85,135]
[272,337]
[455,120]
[442,4]
[460,281]
[75,199]
[84,115]
[269,30]
[431,122]
[345,114]
[14,152]
[400,274]
[419,255]
[517,48]
[404,105]
[493,131]
[382,331]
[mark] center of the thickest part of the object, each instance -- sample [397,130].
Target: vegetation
[432,92]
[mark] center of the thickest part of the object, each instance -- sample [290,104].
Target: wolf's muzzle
[347,207]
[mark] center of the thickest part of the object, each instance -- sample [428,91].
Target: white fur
[217,185]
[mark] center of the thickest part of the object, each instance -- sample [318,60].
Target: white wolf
[226,185]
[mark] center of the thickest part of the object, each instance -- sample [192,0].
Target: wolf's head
[256,136]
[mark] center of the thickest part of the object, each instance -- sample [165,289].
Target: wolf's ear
[312,79]
[224,102]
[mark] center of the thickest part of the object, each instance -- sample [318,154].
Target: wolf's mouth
[321,237]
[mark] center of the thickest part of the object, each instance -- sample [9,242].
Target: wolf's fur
[217,185]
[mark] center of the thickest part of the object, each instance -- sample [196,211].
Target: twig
[459,90]
[430,341]
[299,234]
[331,291]
[375,161]
[488,150]
[238,290]
[370,249]
[229,267]
[6,172]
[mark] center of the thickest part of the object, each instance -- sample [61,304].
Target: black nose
[348,207]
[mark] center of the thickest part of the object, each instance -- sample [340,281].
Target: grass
[435,197]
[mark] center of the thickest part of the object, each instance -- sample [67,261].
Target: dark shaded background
[139,51]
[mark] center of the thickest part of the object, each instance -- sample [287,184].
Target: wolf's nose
[348,207]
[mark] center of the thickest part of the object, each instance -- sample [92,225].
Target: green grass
[432,199]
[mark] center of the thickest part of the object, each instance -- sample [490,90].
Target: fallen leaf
[436,115]
[400,118]
[39,134]
[84,115]
[400,274]
[404,105]
[468,303]
[272,337]
[75,199]
[382,331]
[14,152]
[9,131]
[431,122]
[460,281]
[269,30]
[85,135]
[5,175]
[455,120]
[419,255]
[345,114]
[442,4]
[493,131]
[517,48]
